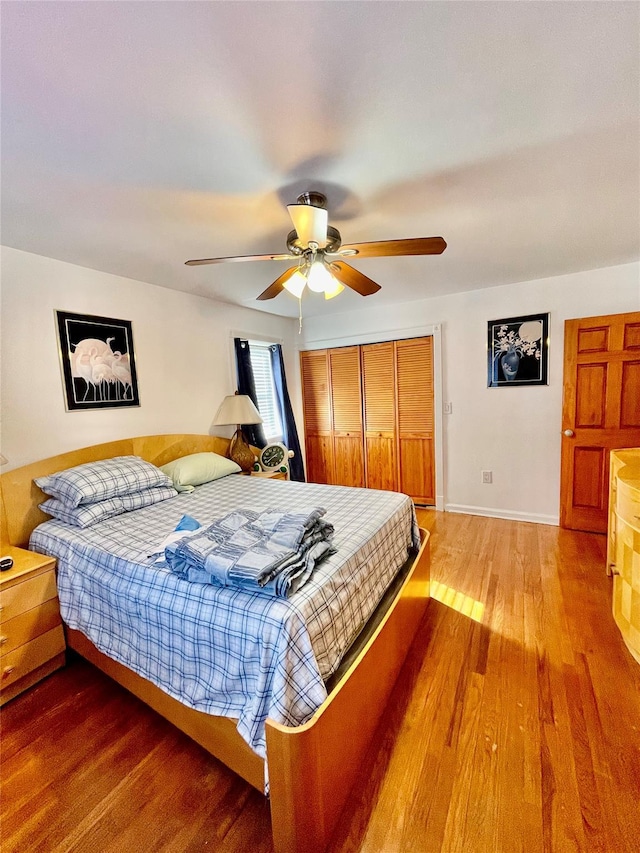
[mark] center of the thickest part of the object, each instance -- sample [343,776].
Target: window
[266,391]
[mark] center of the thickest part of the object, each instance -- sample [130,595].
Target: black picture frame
[518,351]
[98,362]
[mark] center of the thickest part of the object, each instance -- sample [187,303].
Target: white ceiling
[136,135]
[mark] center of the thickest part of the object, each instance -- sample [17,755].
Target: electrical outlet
[487,476]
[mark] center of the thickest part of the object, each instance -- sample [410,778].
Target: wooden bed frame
[312,767]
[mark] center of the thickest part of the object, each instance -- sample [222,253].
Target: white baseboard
[510,515]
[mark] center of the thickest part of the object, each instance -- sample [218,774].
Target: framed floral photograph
[518,351]
[98,364]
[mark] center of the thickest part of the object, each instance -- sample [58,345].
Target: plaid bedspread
[223,650]
[273,552]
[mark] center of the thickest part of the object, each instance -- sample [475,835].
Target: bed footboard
[313,767]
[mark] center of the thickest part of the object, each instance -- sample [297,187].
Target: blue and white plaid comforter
[222,650]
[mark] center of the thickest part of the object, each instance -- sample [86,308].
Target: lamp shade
[237,409]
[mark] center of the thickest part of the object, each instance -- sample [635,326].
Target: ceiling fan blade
[278,285]
[200,261]
[389,248]
[353,278]
[310,223]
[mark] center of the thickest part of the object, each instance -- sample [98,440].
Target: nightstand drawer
[30,656]
[26,595]
[29,625]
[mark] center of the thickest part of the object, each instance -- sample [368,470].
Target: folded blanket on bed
[185,527]
[272,552]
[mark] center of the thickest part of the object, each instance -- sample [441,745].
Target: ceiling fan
[317,248]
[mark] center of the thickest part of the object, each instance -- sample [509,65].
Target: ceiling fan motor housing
[313,198]
[334,241]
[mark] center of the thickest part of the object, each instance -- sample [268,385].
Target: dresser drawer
[628,504]
[31,655]
[26,595]
[627,548]
[29,625]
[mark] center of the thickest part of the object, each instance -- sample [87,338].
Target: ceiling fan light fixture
[296,284]
[330,292]
[319,278]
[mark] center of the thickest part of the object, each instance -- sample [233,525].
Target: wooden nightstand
[270,475]
[32,641]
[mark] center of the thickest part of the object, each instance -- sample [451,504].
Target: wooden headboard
[19,495]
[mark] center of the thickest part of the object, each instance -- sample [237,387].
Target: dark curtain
[246,385]
[296,466]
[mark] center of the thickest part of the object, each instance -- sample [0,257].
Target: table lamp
[238,409]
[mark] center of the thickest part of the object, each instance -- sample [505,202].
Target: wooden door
[316,400]
[414,390]
[600,412]
[379,406]
[346,406]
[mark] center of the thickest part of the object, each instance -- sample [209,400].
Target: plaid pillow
[85,516]
[97,481]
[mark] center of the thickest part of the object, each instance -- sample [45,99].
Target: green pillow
[198,468]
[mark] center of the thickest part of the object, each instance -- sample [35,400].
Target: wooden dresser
[32,640]
[623,547]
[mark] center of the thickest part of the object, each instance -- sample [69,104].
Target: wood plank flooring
[514,728]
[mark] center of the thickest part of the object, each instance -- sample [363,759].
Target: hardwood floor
[515,726]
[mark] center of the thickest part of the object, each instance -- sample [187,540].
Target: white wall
[183,356]
[513,432]
[182,346]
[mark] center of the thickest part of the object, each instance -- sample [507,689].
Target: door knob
[569,433]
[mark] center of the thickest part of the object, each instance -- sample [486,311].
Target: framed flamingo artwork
[98,364]
[518,351]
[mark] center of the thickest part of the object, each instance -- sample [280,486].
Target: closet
[368,416]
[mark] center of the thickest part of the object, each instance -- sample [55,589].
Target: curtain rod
[271,339]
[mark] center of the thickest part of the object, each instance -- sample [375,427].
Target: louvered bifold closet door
[316,400]
[414,391]
[346,404]
[379,404]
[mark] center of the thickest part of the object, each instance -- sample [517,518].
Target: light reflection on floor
[457,601]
